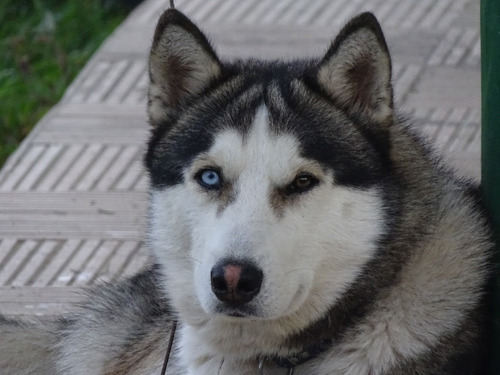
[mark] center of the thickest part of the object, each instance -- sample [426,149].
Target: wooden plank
[463,45]
[127,82]
[463,138]
[118,261]
[30,268]
[308,16]
[113,228]
[400,13]
[143,183]
[16,262]
[94,74]
[38,301]
[65,161]
[475,143]
[102,89]
[57,263]
[147,13]
[219,15]
[207,7]
[406,80]
[416,14]
[77,263]
[189,7]
[90,130]
[98,168]
[95,203]
[433,16]
[97,263]
[21,169]
[440,114]
[46,294]
[129,115]
[138,261]
[8,247]
[127,156]
[130,178]
[328,14]
[81,165]
[139,93]
[40,167]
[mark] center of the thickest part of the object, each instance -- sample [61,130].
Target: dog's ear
[356,71]
[182,64]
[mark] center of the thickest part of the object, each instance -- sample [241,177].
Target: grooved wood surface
[73,198]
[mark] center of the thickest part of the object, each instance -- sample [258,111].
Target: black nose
[236,283]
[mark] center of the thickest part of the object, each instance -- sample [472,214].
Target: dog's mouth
[241,312]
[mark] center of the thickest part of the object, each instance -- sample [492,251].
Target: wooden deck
[73,197]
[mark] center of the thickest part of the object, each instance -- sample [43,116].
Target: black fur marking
[363,21]
[175,143]
[174,17]
[328,135]
[358,154]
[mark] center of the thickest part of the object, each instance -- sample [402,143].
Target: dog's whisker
[298,270]
[195,259]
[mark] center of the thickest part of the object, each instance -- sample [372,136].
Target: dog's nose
[236,283]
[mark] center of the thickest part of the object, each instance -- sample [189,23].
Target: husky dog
[298,225]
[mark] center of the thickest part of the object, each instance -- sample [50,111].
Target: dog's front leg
[219,366]
[201,359]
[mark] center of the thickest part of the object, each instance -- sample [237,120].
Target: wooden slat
[60,167]
[119,260]
[87,82]
[17,261]
[130,178]
[38,301]
[42,255]
[77,263]
[40,167]
[127,156]
[102,90]
[97,263]
[6,248]
[91,203]
[98,168]
[127,82]
[94,131]
[67,226]
[24,166]
[56,264]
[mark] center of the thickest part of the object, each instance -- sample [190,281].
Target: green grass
[43,45]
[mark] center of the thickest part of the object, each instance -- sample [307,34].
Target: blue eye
[209,179]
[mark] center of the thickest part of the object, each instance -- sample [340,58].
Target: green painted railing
[490,139]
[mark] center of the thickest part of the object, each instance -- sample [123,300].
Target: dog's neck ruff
[308,353]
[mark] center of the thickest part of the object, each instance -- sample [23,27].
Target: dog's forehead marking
[260,153]
[257,163]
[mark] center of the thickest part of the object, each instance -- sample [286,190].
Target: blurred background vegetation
[43,46]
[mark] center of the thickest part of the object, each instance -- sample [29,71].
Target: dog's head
[266,176]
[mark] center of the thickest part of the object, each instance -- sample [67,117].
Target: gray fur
[416,306]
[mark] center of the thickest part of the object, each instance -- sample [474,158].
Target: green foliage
[43,45]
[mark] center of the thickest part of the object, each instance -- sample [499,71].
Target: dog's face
[266,199]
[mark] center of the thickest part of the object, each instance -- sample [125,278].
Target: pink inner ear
[362,76]
[176,72]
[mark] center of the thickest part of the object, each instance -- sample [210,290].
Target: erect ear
[356,71]
[181,64]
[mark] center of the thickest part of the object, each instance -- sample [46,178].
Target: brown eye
[301,184]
